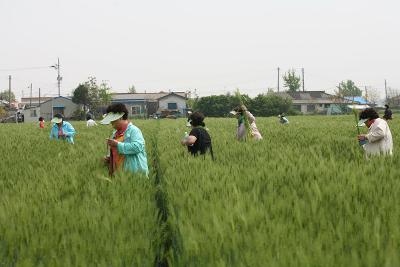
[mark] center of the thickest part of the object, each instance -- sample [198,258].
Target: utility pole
[39,97]
[59,78]
[302,71]
[386,95]
[9,91]
[366,93]
[278,78]
[30,98]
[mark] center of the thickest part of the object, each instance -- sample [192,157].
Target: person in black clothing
[388,113]
[198,141]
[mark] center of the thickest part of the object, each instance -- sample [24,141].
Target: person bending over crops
[41,122]
[283,119]
[89,121]
[62,130]
[388,113]
[127,145]
[246,124]
[379,138]
[198,141]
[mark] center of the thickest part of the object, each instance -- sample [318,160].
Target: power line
[25,68]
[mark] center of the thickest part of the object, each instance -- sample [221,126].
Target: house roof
[26,100]
[307,95]
[312,97]
[358,99]
[56,98]
[144,96]
[174,94]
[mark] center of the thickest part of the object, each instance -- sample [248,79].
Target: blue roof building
[358,99]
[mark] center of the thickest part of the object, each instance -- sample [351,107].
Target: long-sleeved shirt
[379,139]
[91,123]
[133,149]
[66,129]
[241,130]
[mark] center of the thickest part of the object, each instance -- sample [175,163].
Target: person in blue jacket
[62,130]
[127,145]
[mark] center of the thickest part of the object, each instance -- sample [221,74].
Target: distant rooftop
[34,99]
[358,99]
[144,96]
[306,95]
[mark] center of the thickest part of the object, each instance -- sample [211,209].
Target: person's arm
[250,117]
[70,131]
[190,140]
[135,146]
[376,134]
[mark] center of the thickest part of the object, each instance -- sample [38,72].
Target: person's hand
[361,137]
[106,160]
[112,142]
[183,142]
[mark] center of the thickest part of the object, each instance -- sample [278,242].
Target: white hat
[111,117]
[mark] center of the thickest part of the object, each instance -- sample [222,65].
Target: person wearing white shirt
[379,137]
[90,123]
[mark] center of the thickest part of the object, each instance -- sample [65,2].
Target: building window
[33,113]
[172,106]
[136,110]
[327,105]
[310,108]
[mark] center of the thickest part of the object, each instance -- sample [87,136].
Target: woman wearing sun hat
[246,124]
[127,145]
[198,141]
[62,130]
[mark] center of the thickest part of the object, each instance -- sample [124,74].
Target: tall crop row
[304,196]
[59,208]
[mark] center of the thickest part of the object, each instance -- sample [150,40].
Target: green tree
[81,96]
[219,105]
[5,96]
[348,88]
[132,89]
[104,94]
[269,105]
[215,105]
[92,96]
[292,81]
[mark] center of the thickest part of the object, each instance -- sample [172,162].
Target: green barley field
[303,196]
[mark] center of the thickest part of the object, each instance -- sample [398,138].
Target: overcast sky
[212,45]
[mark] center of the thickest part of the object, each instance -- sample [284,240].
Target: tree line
[262,105]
